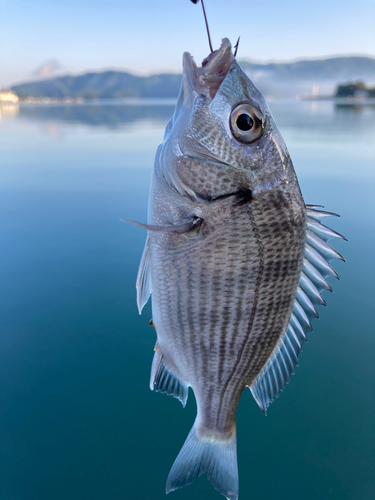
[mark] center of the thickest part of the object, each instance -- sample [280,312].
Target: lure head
[223,126]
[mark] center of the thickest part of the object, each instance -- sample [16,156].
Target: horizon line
[171,72]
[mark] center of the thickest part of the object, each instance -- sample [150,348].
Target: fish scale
[234,259]
[229,322]
[267,323]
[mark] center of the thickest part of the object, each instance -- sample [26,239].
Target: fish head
[223,129]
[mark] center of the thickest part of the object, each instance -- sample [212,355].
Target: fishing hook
[236,46]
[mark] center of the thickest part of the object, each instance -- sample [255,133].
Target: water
[77,418]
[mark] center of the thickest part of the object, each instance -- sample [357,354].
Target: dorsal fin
[280,365]
[143,284]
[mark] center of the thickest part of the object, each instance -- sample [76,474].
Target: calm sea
[77,419]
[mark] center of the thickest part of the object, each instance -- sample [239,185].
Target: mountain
[108,84]
[290,79]
[276,79]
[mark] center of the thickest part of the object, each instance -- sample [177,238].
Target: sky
[40,38]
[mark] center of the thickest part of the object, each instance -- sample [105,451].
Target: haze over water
[78,420]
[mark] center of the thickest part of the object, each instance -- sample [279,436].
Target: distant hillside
[279,80]
[104,85]
[290,79]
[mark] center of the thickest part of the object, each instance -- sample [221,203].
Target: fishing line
[208,30]
[205,20]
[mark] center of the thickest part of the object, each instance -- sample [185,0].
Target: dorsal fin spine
[321,230]
[311,291]
[301,316]
[318,215]
[306,304]
[280,365]
[319,262]
[293,337]
[327,252]
[315,276]
[298,328]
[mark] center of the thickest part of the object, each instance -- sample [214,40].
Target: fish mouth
[207,79]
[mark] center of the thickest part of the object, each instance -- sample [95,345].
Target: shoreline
[43,101]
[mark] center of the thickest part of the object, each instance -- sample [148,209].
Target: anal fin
[164,380]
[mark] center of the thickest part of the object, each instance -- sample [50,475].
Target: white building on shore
[8,96]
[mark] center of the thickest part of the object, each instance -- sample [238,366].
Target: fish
[234,259]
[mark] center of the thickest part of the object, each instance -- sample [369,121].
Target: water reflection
[356,107]
[323,120]
[110,115]
[9,110]
[75,356]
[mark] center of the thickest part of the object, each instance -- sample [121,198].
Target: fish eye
[246,123]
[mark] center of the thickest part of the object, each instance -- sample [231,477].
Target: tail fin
[205,455]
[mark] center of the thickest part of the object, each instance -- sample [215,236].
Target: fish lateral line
[184,227]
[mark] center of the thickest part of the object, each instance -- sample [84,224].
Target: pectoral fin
[183,227]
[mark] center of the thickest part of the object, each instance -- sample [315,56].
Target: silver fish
[234,259]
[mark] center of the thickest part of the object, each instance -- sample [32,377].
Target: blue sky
[147,36]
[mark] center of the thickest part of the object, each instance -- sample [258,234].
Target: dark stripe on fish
[252,317]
